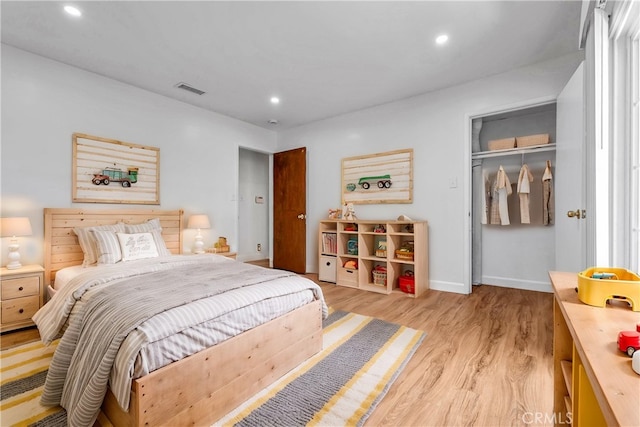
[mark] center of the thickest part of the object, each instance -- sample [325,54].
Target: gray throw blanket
[79,372]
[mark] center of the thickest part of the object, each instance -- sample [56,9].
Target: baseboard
[440,285]
[508,282]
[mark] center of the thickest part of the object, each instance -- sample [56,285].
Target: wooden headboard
[61,247]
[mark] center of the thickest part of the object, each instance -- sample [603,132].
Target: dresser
[21,295]
[593,380]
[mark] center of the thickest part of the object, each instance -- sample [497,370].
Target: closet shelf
[514,151]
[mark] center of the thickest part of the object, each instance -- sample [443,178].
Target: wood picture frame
[111,171]
[378,178]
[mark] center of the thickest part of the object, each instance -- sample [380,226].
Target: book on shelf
[329,243]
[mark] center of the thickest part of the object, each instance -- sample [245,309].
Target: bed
[200,388]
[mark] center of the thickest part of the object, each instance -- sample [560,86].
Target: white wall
[44,102]
[434,125]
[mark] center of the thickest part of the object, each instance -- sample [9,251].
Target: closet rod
[513,151]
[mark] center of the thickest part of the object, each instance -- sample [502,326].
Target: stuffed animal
[351,212]
[352,264]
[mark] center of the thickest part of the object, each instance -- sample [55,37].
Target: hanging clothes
[547,190]
[504,191]
[494,209]
[524,188]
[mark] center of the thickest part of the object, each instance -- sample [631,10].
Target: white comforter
[204,321]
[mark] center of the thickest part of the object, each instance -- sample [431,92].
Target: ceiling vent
[188,88]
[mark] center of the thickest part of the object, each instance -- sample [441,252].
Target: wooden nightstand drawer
[22,294]
[20,287]
[19,309]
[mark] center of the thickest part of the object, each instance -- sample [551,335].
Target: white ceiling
[321,58]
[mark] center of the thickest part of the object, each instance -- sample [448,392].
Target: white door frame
[468,241]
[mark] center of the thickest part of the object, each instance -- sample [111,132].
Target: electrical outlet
[259,247]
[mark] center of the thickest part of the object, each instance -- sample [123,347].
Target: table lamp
[198,222]
[14,227]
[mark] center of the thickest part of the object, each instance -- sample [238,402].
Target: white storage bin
[327,271]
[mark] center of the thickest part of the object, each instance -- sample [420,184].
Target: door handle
[302,216]
[578,213]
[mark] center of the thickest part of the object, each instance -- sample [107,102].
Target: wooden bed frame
[201,388]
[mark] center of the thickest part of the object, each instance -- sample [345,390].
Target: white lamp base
[198,244]
[14,256]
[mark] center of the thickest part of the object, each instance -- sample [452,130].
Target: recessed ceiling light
[275,100]
[273,122]
[442,39]
[73,11]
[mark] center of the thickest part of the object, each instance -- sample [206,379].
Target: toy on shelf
[379,274]
[351,264]
[352,246]
[334,213]
[379,228]
[349,212]
[220,246]
[351,227]
[598,285]
[407,283]
[406,251]
[629,341]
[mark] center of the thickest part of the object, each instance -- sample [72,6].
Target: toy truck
[629,341]
[383,181]
[116,175]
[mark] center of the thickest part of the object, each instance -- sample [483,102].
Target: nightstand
[232,255]
[21,295]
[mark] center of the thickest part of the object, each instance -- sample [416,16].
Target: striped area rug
[23,370]
[340,386]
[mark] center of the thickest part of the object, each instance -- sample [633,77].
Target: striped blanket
[128,299]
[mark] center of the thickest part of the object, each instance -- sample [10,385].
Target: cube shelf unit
[594,384]
[367,237]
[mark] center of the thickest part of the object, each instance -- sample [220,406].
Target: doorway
[253,207]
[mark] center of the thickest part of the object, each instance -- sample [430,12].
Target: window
[624,131]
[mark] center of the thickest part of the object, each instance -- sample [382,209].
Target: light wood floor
[486,360]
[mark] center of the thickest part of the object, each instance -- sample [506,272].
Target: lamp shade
[10,227]
[199,221]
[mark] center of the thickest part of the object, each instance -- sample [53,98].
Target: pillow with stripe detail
[108,247]
[87,240]
[152,226]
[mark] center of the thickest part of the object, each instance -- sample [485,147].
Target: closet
[512,253]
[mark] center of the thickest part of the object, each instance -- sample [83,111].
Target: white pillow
[152,226]
[87,240]
[108,246]
[137,246]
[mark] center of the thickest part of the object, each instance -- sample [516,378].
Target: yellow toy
[597,285]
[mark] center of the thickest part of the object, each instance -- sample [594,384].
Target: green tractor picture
[116,175]
[382,181]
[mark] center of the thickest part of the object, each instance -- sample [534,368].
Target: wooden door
[290,210]
[569,178]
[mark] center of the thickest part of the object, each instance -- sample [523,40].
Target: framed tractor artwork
[378,178]
[110,171]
